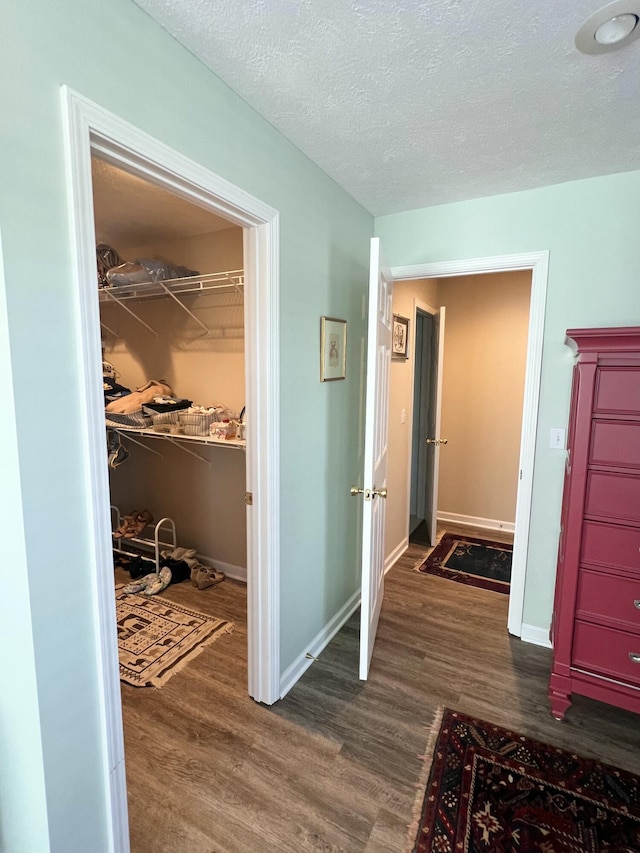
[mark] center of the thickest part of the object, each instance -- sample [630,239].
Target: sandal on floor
[206,577]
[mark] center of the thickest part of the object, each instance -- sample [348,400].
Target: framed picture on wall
[400,338]
[333,349]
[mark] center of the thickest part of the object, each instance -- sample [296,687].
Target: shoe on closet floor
[205,576]
[141,566]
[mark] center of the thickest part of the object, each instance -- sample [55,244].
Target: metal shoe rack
[164,536]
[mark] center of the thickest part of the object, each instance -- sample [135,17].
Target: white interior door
[375,452]
[433,438]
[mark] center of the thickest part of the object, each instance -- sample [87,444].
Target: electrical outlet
[557,438]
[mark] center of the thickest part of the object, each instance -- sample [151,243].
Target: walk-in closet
[170,289]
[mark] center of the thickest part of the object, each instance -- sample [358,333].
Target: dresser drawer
[609,597]
[614,496]
[618,390]
[615,443]
[606,652]
[611,546]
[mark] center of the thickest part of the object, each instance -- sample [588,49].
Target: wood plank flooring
[333,766]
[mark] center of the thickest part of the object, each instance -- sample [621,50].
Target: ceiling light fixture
[610,28]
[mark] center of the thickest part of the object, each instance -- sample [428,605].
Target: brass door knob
[380,492]
[354,490]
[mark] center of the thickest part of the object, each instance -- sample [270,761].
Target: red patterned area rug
[477,562]
[490,789]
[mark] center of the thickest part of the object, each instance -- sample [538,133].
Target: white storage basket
[196,423]
[166,418]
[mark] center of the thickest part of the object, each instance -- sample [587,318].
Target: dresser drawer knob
[634,658]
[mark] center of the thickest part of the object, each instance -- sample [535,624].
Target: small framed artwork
[400,338]
[333,349]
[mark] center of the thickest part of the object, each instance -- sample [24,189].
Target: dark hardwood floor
[334,765]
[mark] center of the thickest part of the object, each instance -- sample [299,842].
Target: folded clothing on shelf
[130,420]
[140,397]
[160,405]
[113,391]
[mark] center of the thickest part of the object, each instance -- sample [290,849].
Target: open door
[432,439]
[374,481]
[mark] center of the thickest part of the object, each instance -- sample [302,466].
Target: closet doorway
[182,335]
[92,132]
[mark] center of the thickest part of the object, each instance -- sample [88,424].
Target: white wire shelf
[227,281]
[180,441]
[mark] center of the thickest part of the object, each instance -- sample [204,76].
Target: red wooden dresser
[595,630]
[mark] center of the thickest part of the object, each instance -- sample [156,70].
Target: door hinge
[248,498]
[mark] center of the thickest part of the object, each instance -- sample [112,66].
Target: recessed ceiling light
[616,29]
[610,28]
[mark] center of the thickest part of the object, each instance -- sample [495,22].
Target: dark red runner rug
[477,562]
[491,789]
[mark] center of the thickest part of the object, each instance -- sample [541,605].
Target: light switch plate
[557,438]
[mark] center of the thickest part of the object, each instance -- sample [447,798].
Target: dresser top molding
[615,339]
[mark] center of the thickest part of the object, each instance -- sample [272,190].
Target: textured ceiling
[411,103]
[130,211]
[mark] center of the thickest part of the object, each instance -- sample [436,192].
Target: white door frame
[90,129]
[538,263]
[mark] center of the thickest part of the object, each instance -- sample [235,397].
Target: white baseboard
[474,521]
[395,555]
[322,639]
[535,635]
[236,573]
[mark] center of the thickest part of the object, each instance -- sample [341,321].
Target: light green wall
[117,56]
[21,771]
[591,229]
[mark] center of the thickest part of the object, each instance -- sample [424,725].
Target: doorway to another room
[467,429]
[491,373]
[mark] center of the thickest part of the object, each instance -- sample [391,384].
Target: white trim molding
[475,521]
[236,573]
[301,664]
[535,635]
[538,263]
[395,555]
[89,129]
